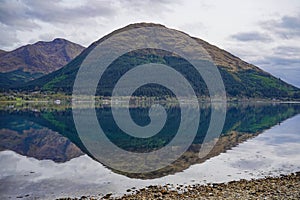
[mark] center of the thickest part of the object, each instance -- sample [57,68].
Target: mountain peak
[56,41]
[219,56]
[143,24]
[60,40]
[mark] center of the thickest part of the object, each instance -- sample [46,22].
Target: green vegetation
[239,84]
[15,78]
[254,84]
[51,83]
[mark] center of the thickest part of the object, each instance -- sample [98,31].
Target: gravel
[283,187]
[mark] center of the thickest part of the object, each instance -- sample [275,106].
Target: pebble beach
[282,187]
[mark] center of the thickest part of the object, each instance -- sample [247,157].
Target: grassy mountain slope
[241,79]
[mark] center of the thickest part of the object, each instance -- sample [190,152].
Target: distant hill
[241,79]
[35,60]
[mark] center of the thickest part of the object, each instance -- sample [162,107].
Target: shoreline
[36,97]
[280,187]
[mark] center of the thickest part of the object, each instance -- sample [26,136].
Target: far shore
[21,98]
[40,97]
[65,102]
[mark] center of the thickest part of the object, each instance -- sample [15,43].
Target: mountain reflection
[49,132]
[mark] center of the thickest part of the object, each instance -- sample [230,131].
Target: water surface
[42,155]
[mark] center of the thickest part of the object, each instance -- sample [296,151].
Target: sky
[265,33]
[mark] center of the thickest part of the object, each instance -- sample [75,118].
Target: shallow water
[43,158]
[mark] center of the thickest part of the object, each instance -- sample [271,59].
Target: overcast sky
[265,32]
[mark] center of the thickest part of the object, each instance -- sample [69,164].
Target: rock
[107,196]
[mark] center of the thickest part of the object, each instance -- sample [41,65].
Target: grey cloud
[14,14]
[251,36]
[287,62]
[20,14]
[8,36]
[275,61]
[46,37]
[287,69]
[34,15]
[54,12]
[149,7]
[290,22]
[26,16]
[286,27]
[287,51]
[287,56]
[148,3]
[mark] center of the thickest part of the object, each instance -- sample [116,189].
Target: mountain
[35,60]
[241,79]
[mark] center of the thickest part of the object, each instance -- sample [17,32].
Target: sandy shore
[283,187]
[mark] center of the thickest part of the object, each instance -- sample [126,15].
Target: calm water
[43,156]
